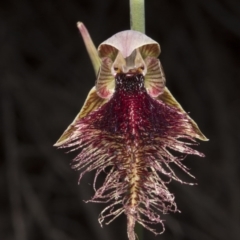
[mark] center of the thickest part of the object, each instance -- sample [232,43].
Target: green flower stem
[137,15]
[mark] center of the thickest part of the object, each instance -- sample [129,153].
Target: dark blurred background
[45,76]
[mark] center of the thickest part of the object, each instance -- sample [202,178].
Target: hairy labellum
[132,133]
[127,129]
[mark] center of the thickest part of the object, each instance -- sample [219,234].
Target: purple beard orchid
[127,128]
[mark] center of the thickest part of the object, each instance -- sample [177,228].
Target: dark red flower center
[134,113]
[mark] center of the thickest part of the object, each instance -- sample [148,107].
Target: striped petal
[155,78]
[150,50]
[105,80]
[105,50]
[168,98]
[92,103]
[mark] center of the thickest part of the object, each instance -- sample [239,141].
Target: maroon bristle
[131,135]
[133,113]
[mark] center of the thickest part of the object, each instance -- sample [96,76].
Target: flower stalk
[137,15]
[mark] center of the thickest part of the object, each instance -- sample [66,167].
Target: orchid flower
[127,129]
